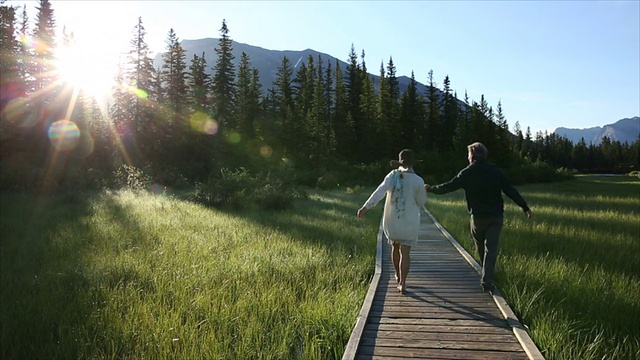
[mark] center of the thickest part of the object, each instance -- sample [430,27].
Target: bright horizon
[573,64]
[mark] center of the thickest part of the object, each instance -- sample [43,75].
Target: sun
[85,67]
[98,34]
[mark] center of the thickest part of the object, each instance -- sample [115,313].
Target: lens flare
[200,122]
[158,188]
[138,92]
[266,151]
[210,127]
[234,138]
[64,135]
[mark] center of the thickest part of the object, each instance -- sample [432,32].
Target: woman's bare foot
[397,278]
[402,289]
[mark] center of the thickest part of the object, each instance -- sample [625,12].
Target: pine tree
[12,84]
[328,96]
[383,109]
[342,121]
[411,116]
[173,76]
[450,109]
[317,120]
[224,81]
[353,84]
[525,151]
[284,104]
[140,74]
[462,135]
[43,69]
[24,57]
[390,110]
[502,143]
[518,139]
[304,85]
[248,97]
[119,113]
[370,117]
[432,136]
[199,84]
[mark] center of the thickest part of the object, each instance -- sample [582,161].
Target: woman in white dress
[405,196]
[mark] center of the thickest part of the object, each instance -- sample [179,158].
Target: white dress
[405,196]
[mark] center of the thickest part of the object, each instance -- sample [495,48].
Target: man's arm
[447,187]
[514,195]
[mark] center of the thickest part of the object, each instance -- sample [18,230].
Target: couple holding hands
[406,194]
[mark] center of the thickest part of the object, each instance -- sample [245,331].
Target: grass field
[123,275]
[572,272]
[132,276]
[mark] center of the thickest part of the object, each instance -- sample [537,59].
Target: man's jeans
[486,233]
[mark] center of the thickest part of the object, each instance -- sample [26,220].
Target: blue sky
[573,64]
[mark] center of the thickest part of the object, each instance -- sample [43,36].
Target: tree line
[181,123]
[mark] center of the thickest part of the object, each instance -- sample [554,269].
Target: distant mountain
[268,61]
[627,129]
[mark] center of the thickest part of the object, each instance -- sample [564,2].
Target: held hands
[427,187]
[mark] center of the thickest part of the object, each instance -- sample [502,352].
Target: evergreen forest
[182,126]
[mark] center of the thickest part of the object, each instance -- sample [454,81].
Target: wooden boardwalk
[443,314]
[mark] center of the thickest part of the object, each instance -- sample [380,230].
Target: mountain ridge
[267,61]
[627,129]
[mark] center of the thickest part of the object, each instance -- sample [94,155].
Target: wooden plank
[439,336]
[421,310]
[369,352]
[379,341]
[442,329]
[419,315]
[430,322]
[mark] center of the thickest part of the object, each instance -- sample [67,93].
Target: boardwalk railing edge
[518,329]
[356,334]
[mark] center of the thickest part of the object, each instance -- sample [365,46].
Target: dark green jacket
[483,184]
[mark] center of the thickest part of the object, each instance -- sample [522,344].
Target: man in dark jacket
[483,185]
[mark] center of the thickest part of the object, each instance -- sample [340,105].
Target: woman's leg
[405,262]
[395,258]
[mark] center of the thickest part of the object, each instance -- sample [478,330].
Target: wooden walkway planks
[443,314]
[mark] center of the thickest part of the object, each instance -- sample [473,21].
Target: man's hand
[427,187]
[361,212]
[528,213]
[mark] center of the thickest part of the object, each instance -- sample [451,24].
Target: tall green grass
[572,272]
[128,275]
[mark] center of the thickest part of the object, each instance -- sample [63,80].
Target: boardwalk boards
[443,314]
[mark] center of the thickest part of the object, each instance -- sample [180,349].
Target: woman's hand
[361,212]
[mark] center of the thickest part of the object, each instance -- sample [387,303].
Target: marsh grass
[137,275]
[126,275]
[572,272]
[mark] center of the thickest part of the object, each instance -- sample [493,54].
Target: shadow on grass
[47,299]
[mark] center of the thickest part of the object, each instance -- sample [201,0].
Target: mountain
[268,61]
[627,129]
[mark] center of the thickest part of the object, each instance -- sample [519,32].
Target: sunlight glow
[81,66]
